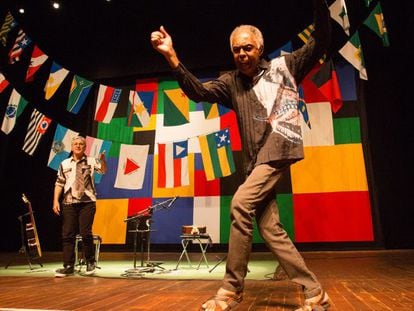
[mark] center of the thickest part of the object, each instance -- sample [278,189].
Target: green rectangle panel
[117,132]
[285,204]
[286,216]
[347,130]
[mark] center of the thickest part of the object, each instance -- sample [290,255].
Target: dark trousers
[78,218]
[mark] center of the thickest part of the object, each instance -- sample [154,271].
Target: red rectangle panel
[333,217]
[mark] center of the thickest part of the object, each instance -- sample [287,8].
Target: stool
[203,240]
[97,240]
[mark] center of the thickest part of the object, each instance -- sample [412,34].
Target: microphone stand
[145,235]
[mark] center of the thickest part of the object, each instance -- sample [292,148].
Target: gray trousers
[255,198]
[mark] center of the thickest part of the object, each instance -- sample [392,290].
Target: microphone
[172,201]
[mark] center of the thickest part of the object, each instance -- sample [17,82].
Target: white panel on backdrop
[198,126]
[321,132]
[207,213]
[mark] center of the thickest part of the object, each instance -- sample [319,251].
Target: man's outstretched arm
[162,42]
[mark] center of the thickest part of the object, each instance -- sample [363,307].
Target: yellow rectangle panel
[109,220]
[330,169]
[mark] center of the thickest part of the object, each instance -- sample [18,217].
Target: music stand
[142,226]
[143,221]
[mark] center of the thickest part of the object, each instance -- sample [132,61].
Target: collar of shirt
[262,66]
[82,159]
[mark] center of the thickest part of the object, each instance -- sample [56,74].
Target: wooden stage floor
[355,280]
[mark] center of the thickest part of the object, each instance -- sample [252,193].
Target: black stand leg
[217,264]
[138,271]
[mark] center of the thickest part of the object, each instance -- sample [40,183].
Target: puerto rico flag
[173,165]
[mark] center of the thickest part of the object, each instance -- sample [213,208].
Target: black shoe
[67,270]
[90,268]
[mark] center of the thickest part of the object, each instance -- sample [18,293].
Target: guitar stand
[23,248]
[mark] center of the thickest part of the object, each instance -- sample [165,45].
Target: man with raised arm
[264,96]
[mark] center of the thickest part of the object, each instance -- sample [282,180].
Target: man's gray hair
[79,137]
[253,30]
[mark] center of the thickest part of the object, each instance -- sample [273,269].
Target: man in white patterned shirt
[75,184]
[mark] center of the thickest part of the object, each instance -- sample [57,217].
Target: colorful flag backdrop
[324,198]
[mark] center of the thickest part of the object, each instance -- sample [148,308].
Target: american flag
[22,41]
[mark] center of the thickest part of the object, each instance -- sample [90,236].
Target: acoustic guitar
[32,237]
